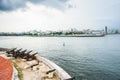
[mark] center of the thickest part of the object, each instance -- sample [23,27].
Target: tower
[105,29]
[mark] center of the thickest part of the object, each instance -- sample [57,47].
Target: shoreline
[81,35]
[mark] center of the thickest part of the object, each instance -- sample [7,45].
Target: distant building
[112,31]
[97,31]
[118,31]
[88,31]
[106,30]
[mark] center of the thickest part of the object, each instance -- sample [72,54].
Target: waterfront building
[106,30]
[118,31]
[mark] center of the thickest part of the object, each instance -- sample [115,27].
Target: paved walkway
[6,69]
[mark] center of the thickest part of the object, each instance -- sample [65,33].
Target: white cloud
[86,14]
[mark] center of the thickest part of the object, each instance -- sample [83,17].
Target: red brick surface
[6,69]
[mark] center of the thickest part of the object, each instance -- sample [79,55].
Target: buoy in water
[63,44]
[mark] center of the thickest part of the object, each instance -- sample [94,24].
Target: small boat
[19,64]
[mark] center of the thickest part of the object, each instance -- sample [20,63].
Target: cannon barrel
[23,51]
[30,57]
[72,78]
[50,71]
[8,51]
[27,55]
[34,54]
[13,49]
[17,53]
[18,50]
[29,52]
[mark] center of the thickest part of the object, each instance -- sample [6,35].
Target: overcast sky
[25,15]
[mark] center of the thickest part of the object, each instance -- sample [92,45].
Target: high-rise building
[105,29]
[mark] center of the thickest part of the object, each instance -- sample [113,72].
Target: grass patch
[20,74]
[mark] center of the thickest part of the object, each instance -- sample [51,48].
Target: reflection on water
[86,58]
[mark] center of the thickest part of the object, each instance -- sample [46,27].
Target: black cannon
[22,53]
[11,51]
[50,71]
[29,52]
[34,54]
[31,57]
[72,78]
[18,51]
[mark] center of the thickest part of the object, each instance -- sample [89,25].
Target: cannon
[18,51]
[22,53]
[34,54]
[72,78]
[11,51]
[31,57]
[27,54]
[50,71]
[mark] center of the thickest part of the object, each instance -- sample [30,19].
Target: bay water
[85,58]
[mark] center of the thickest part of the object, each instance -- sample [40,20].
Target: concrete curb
[59,71]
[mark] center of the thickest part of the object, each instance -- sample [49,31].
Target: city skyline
[28,15]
